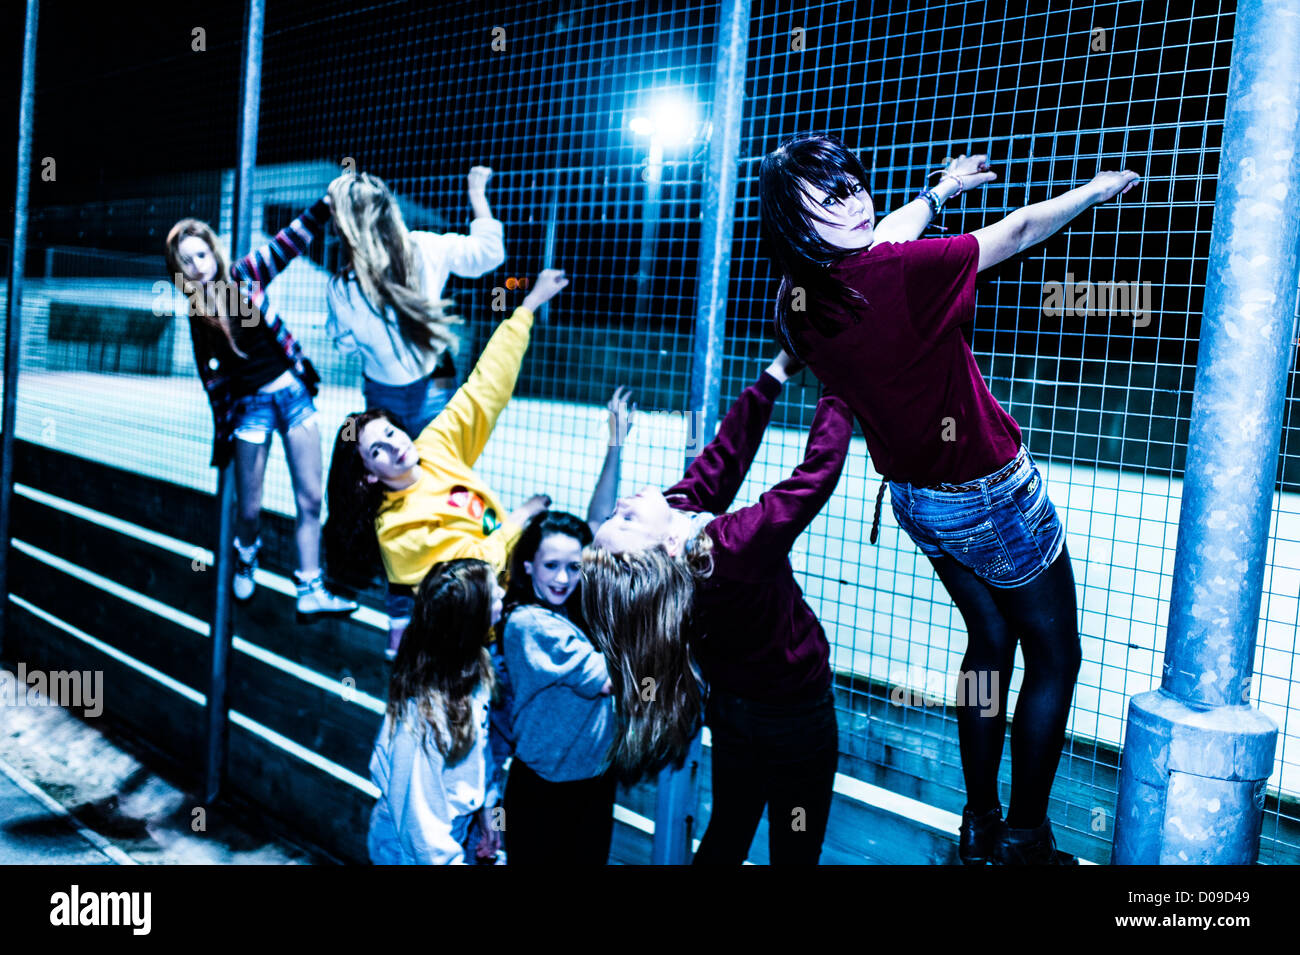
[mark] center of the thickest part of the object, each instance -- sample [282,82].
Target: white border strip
[90,835]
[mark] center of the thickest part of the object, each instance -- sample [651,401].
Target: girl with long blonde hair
[698,614]
[386,302]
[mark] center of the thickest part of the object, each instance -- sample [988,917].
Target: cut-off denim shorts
[1006,532]
[415,404]
[283,409]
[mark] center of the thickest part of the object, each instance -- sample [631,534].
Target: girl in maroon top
[879,318]
[673,575]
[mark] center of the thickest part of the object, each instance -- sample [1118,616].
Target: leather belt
[997,478]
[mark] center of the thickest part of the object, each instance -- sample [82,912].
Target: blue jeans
[1004,528]
[262,412]
[415,405]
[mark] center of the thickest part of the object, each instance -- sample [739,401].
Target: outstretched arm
[477,188]
[908,222]
[1032,224]
[483,250]
[713,478]
[763,533]
[605,495]
[464,426]
[264,263]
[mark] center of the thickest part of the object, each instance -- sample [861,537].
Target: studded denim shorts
[1004,527]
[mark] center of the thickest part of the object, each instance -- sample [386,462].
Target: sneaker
[245,566]
[315,600]
[1035,846]
[979,836]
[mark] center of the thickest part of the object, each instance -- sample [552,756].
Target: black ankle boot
[1035,846]
[978,836]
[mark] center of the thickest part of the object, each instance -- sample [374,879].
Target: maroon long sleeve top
[752,632]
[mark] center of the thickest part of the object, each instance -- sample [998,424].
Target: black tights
[1043,615]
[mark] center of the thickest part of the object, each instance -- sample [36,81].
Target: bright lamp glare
[674,120]
[670,119]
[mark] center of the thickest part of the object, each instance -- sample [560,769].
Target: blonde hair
[206,303]
[637,605]
[387,264]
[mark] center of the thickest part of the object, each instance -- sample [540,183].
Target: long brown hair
[802,257]
[207,305]
[638,606]
[352,504]
[388,266]
[443,657]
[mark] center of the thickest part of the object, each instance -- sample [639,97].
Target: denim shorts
[262,412]
[415,405]
[1006,533]
[399,603]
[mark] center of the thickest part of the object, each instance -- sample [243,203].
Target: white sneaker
[245,566]
[314,599]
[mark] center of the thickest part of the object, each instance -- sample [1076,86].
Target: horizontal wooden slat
[181,512]
[311,716]
[339,649]
[132,700]
[328,811]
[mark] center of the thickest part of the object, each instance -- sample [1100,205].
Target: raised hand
[971,171]
[478,177]
[621,410]
[784,366]
[1107,185]
[548,284]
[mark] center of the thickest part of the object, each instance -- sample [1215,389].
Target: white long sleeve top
[355,327]
[424,806]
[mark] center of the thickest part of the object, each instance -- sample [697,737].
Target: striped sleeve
[264,263]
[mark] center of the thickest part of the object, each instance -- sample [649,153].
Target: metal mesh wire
[417,96]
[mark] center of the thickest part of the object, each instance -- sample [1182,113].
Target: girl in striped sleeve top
[257,381]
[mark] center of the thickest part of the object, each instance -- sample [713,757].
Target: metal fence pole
[240,240]
[675,799]
[14,303]
[1197,755]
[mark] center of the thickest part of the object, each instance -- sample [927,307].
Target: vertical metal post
[1197,755]
[675,800]
[14,304]
[552,216]
[240,241]
[654,177]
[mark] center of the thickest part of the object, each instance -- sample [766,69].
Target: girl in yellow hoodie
[412,503]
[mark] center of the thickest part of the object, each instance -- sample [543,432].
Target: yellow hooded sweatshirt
[449,512]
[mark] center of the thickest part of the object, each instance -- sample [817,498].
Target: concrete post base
[1192,783]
